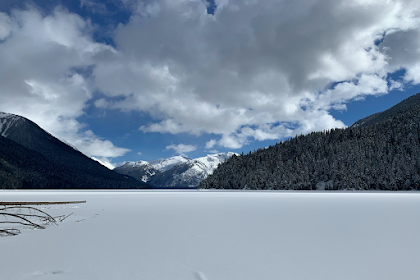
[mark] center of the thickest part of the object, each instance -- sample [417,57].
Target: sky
[128,80]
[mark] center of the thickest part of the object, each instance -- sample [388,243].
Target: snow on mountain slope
[143,170]
[136,163]
[140,170]
[209,163]
[167,163]
[174,172]
[7,121]
[199,169]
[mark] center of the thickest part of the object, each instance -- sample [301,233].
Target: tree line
[384,155]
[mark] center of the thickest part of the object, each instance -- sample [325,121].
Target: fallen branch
[46,215]
[9,231]
[22,218]
[6,203]
[28,216]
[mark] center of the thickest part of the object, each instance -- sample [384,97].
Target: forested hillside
[31,158]
[23,168]
[381,153]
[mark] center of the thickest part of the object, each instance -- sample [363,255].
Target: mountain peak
[7,121]
[52,163]
[168,163]
[177,171]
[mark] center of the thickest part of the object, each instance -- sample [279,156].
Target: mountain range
[174,172]
[32,158]
[379,152]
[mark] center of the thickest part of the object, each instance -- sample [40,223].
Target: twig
[63,217]
[24,215]
[23,218]
[49,217]
[10,231]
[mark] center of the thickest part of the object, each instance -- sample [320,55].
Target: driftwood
[6,203]
[14,213]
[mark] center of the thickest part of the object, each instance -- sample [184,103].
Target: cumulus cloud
[256,70]
[42,78]
[5,26]
[210,144]
[181,149]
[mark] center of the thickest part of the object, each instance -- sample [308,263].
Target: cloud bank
[255,70]
[41,74]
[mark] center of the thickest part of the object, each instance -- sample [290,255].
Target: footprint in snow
[41,273]
[200,275]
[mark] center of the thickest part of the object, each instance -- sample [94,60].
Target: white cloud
[139,153]
[395,85]
[413,74]
[256,65]
[210,144]
[101,103]
[5,26]
[256,70]
[181,148]
[38,78]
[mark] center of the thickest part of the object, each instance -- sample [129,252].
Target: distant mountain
[165,164]
[32,158]
[140,170]
[380,152]
[174,172]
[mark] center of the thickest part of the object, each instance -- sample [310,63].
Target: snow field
[218,235]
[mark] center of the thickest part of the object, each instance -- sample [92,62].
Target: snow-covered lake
[213,235]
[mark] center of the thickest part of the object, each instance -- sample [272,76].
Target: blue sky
[126,80]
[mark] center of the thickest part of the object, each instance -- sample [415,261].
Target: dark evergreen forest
[31,158]
[380,152]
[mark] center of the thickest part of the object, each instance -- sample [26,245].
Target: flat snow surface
[206,235]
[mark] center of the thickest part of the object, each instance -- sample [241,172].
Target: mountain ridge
[55,154]
[408,104]
[173,172]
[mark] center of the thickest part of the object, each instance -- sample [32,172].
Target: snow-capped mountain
[140,170]
[8,121]
[189,174]
[167,163]
[143,170]
[209,163]
[178,171]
